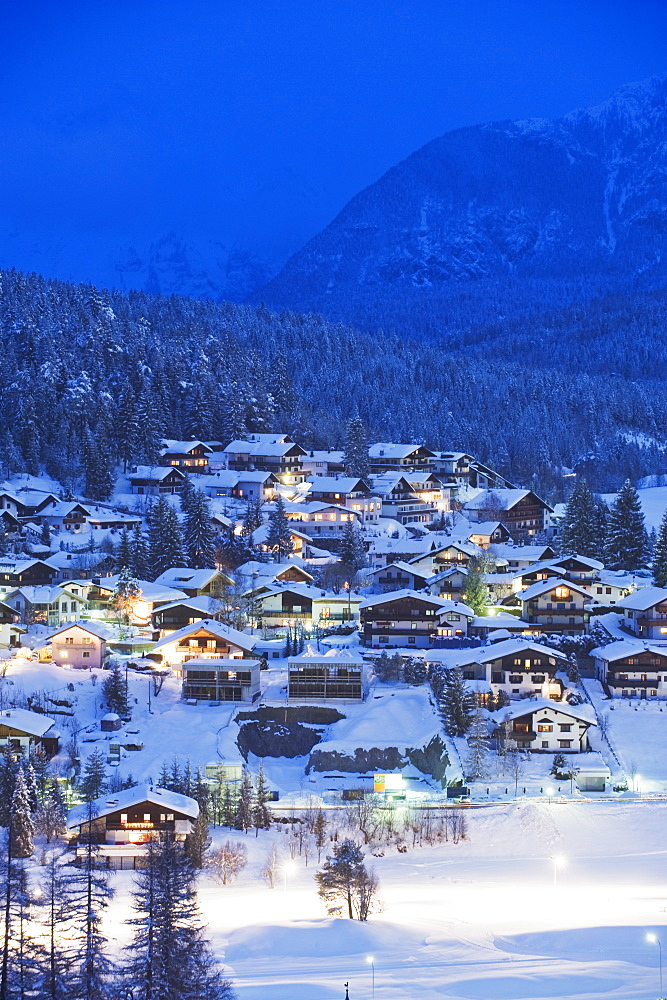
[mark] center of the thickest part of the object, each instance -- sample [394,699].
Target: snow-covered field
[474,921]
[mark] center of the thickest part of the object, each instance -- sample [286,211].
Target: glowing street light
[654,939]
[558,862]
[371,962]
[288,868]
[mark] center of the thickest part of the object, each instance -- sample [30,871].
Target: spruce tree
[127,426]
[243,818]
[125,595]
[478,745]
[355,458]
[114,693]
[165,538]
[261,814]
[476,594]
[21,829]
[352,550]
[659,565]
[139,564]
[626,533]
[580,531]
[124,552]
[456,703]
[93,781]
[280,533]
[198,533]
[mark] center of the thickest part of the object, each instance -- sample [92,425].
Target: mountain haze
[496,220]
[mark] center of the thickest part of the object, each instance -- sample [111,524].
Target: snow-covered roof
[182,447]
[154,472]
[519,553]
[21,567]
[643,599]
[438,577]
[386,449]
[32,723]
[399,595]
[405,567]
[623,648]
[255,476]
[344,484]
[128,797]
[272,570]
[499,499]
[585,713]
[468,548]
[545,586]
[347,657]
[458,607]
[207,605]
[179,576]
[335,457]
[486,654]
[481,528]
[232,635]
[45,594]
[62,508]
[92,627]
[151,592]
[510,622]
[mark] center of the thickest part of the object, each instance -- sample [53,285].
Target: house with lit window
[399,576]
[151,595]
[80,644]
[556,605]
[389,457]
[192,455]
[289,603]
[441,557]
[276,453]
[402,503]
[453,620]
[400,618]
[334,675]
[323,463]
[171,617]
[206,639]
[632,669]
[195,582]
[221,680]
[151,480]
[323,523]
[122,823]
[22,729]
[449,584]
[10,630]
[542,726]
[349,491]
[46,605]
[522,511]
[516,666]
[645,612]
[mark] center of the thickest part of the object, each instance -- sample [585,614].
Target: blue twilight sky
[253,123]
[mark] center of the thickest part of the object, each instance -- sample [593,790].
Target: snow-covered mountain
[576,200]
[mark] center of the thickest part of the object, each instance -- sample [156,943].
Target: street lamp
[654,939]
[371,962]
[559,862]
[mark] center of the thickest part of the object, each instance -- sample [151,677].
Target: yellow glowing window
[562,592]
[319,517]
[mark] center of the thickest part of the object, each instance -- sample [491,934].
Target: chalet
[349,491]
[427,487]
[401,503]
[556,605]
[465,470]
[196,582]
[221,680]
[186,455]
[10,630]
[645,612]
[151,596]
[301,543]
[149,480]
[518,557]
[253,571]
[400,618]
[27,573]
[323,463]
[46,605]
[80,645]
[399,576]
[522,511]
[81,566]
[284,604]
[336,675]
[445,556]
[632,669]
[387,457]
[257,485]
[9,523]
[323,523]
[453,620]
[64,515]
[168,618]
[542,726]
[124,822]
[520,668]
[23,729]
[578,569]
[449,583]
[205,639]
[487,533]
[384,551]
[276,453]
[26,503]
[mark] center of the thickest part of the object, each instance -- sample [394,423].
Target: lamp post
[654,939]
[371,962]
[559,862]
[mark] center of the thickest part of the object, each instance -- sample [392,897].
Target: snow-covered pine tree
[114,693]
[456,703]
[352,549]
[476,594]
[93,781]
[8,771]
[125,595]
[127,426]
[244,803]
[169,956]
[478,745]
[165,538]
[415,670]
[261,814]
[626,532]
[123,552]
[659,564]
[355,458]
[280,533]
[579,532]
[139,559]
[21,829]
[198,532]
[187,495]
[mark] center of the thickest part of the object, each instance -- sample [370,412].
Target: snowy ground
[473,921]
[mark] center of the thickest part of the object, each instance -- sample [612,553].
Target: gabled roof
[92,627]
[399,595]
[342,485]
[21,567]
[405,567]
[623,648]
[183,576]
[46,594]
[438,577]
[643,599]
[236,638]
[182,447]
[530,706]
[386,449]
[332,656]
[129,797]
[532,553]
[154,472]
[292,587]
[207,605]
[62,508]
[272,570]
[500,499]
[150,592]
[457,606]
[468,548]
[497,651]
[545,586]
[32,723]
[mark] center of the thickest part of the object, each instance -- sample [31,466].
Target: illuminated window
[562,592]
[542,728]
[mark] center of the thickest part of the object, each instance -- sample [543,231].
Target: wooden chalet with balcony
[556,605]
[388,457]
[522,511]
[122,823]
[400,618]
[151,480]
[193,455]
[645,612]
[631,669]
[542,726]
[402,503]
[206,639]
[22,729]
[518,667]
[276,453]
